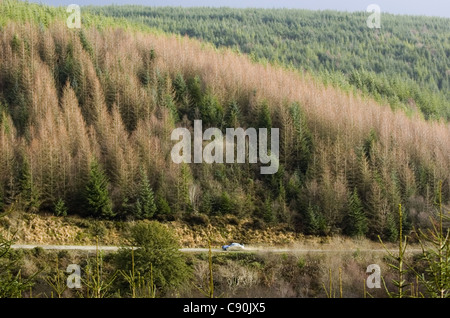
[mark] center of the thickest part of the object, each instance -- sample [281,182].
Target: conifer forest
[86,117]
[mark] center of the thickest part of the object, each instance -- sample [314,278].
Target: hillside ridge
[86,118]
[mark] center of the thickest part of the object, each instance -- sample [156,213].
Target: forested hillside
[86,117]
[406,63]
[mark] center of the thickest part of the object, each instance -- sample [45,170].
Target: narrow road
[93,248]
[89,248]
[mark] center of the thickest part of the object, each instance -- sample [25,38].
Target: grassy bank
[192,232]
[234,274]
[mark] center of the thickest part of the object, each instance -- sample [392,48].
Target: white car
[233,247]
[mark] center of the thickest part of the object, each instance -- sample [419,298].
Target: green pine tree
[206,205]
[269,216]
[390,232]
[233,114]
[60,208]
[264,117]
[126,207]
[180,87]
[29,195]
[11,283]
[183,201]
[98,202]
[315,223]
[145,205]
[211,111]
[303,145]
[223,204]
[162,206]
[194,86]
[356,220]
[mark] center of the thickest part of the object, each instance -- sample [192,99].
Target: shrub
[38,251]
[11,284]
[197,219]
[159,251]
[255,224]
[98,229]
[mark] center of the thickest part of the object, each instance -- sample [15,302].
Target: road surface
[93,248]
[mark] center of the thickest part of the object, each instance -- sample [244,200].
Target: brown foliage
[105,109]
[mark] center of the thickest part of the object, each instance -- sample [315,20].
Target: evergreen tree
[162,206]
[206,205]
[369,143]
[303,142]
[269,216]
[194,86]
[181,91]
[223,204]
[233,114]
[29,195]
[211,111]
[356,220]
[183,182]
[378,211]
[60,208]
[391,231]
[264,117]
[98,201]
[315,223]
[11,284]
[145,204]
[126,207]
